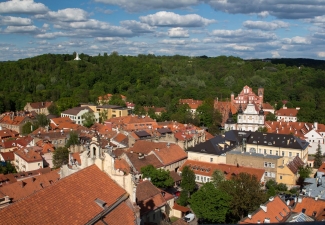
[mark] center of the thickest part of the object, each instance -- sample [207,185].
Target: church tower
[260,93]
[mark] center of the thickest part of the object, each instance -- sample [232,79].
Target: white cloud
[171,19]
[22,6]
[22,29]
[321,54]
[284,9]
[275,54]
[297,40]
[54,35]
[65,15]
[173,42]
[263,14]
[241,36]
[137,27]
[178,32]
[141,5]
[94,47]
[15,21]
[263,25]
[109,39]
[94,28]
[239,47]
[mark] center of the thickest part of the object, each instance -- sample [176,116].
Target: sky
[241,28]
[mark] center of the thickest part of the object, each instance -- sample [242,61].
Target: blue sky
[242,28]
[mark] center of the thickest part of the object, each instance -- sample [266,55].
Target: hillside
[160,80]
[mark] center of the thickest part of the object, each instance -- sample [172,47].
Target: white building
[27,160]
[249,120]
[76,113]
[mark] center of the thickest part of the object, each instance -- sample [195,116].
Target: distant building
[76,114]
[287,114]
[38,107]
[77,57]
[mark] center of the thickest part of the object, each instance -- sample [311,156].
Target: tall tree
[60,157]
[160,178]
[88,119]
[318,157]
[217,177]
[246,193]
[54,109]
[27,128]
[73,139]
[188,179]
[304,172]
[42,120]
[210,203]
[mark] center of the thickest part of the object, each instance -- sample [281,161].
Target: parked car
[189,217]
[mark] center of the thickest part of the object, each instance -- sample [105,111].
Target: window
[264,151]
[260,151]
[197,177]
[277,153]
[265,174]
[272,165]
[298,154]
[282,153]
[78,117]
[280,177]
[208,179]
[239,117]
[270,152]
[265,164]
[204,179]
[39,164]
[273,175]
[211,159]
[290,154]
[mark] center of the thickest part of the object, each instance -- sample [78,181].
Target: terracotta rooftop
[8,156]
[120,138]
[121,164]
[29,155]
[193,104]
[75,192]
[20,142]
[297,128]
[170,154]
[39,105]
[6,133]
[148,197]
[26,187]
[12,120]
[207,169]
[313,208]
[181,208]
[276,211]
[145,147]
[322,168]
[138,163]
[287,112]
[295,164]
[175,176]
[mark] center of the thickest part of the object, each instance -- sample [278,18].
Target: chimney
[271,199]
[264,208]
[249,215]
[315,125]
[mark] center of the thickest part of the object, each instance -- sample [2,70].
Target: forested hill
[300,62]
[157,81]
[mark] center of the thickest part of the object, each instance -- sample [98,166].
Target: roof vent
[267,220]
[271,199]
[101,203]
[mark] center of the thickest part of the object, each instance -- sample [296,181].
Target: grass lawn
[173,219]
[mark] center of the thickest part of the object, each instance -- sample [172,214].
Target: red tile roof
[148,197]
[295,164]
[121,164]
[8,156]
[181,208]
[6,133]
[120,137]
[145,147]
[276,211]
[39,105]
[193,104]
[26,187]
[322,168]
[29,155]
[287,112]
[64,201]
[311,206]
[15,120]
[144,161]
[296,128]
[171,154]
[229,170]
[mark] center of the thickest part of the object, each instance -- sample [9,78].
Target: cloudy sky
[243,28]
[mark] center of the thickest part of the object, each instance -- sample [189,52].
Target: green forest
[149,80]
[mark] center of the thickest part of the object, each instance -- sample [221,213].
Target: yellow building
[284,145]
[110,111]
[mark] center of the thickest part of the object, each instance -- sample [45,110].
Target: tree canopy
[318,157]
[73,139]
[210,203]
[160,178]
[60,157]
[149,80]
